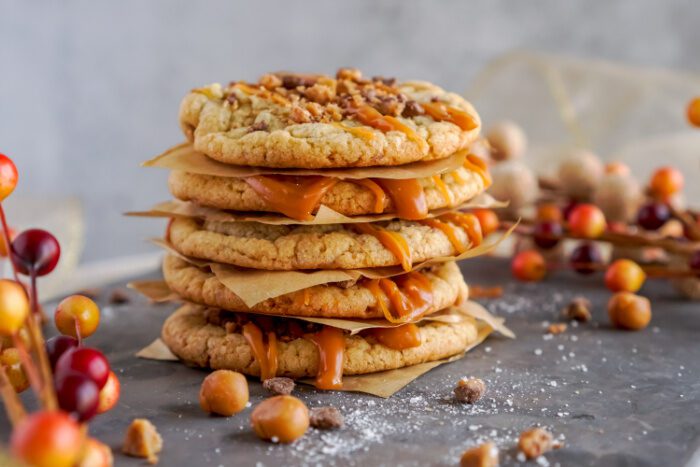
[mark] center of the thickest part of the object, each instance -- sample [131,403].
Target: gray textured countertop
[615,398]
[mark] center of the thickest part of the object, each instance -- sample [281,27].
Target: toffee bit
[293,81]
[390,105]
[142,440]
[483,455]
[270,81]
[385,81]
[469,390]
[556,328]
[352,74]
[412,109]
[300,115]
[261,125]
[279,385]
[233,100]
[578,310]
[535,442]
[326,418]
[119,297]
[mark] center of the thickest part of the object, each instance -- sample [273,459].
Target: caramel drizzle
[467,222]
[377,191]
[359,131]
[458,178]
[392,241]
[441,112]
[265,354]
[297,198]
[478,165]
[385,123]
[449,231]
[408,197]
[404,299]
[442,187]
[401,337]
[331,349]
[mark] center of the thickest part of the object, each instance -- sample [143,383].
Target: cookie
[332,246]
[314,121]
[347,197]
[339,300]
[196,340]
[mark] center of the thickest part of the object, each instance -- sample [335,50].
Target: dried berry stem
[37,338]
[8,242]
[689,223]
[13,405]
[28,364]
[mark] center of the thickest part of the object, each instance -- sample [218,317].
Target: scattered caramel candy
[326,418]
[556,328]
[578,310]
[142,440]
[224,392]
[483,455]
[280,419]
[535,442]
[629,311]
[469,390]
[279,385]
[507,141]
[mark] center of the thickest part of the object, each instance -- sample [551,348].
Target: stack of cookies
[317,225]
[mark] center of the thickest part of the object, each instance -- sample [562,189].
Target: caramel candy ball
[507,140]
[224,392]
[280,419]
[629,311]
[514,182]
[619,197]
[579,174]
[483,455]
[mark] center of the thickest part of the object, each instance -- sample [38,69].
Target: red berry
[529,266]
[47,439]
[78,395]
[57,346]
[8,177]
[653,215]
[586,220]
[547,234]
[35,251]
[87,361]
[585,257]
[694,261]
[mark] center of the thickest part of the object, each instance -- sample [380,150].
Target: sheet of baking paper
[480,313]
[184,157]
[253,286]
[157,350]
[155,290]
[387,383]
[325,215]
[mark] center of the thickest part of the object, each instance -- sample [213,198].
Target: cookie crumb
[535,442]
[483,455]
[469,390]
[119,297]
[142,440]
[326,418]
[279,385]
[556,328]
[578,310]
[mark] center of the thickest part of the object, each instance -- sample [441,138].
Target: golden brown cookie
[332,246]
[195,339]
[316,121]
[338,300]
[345,196]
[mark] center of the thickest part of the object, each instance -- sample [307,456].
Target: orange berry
[280,419]
[13,369]
[8,177]
[95,454]
[666,181]
[14,307]
[109,394]
[529,266]
[624,275]
[694,112]
[47,439]
[79,311]
[488,220]
[587,220]
[629,311]
[223,392]
[549,212]
[618,168]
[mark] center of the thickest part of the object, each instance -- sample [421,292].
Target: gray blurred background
[88,89]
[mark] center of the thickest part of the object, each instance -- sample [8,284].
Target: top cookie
[291,120]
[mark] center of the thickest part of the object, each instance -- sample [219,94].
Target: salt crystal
[538,351]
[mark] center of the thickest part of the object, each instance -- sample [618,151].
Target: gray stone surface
[617,398]
[90,89]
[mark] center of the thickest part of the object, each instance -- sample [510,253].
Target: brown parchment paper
[157,350]
[156,290]
[324,215]
[253,286]
[184,157]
